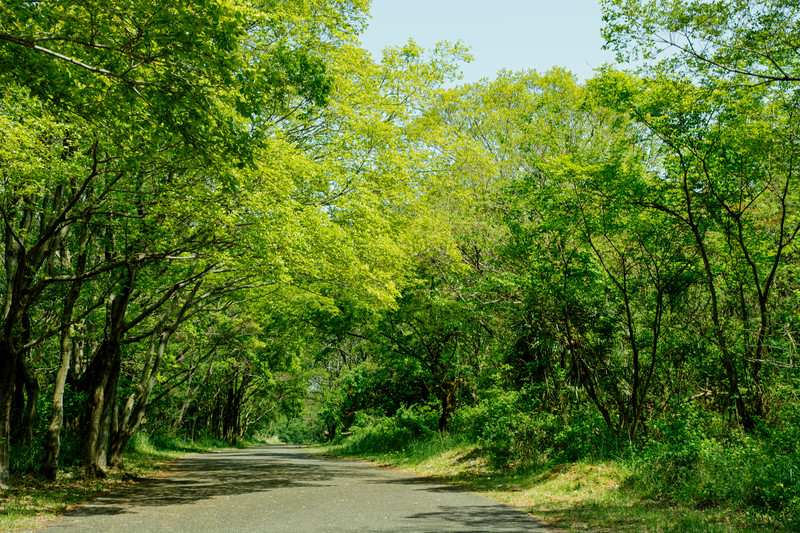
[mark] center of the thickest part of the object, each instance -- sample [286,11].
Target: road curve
[287,489]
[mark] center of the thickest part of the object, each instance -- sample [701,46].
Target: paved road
[286,489]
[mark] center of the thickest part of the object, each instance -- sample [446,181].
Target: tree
[726,175]
[135,100]
[735,40]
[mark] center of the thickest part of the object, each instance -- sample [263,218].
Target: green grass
[600,496]
[31,501]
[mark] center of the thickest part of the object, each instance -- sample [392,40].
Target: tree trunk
[213,424]
[17,406]
[13,316]
[230,414]
[181,413]
[52,446]
[728,363]
[31,386]
[232,411]
[8,371]
[101,381]
[447,397]
[119,441]
[135,406]
[26,391]
[133,412]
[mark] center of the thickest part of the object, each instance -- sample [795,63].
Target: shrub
[686,463]
[379,434]
[584,435]
[507,425]
[26,458]
[673,449]
[300,431]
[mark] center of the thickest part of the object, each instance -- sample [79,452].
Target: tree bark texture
[8,374]
[100,382]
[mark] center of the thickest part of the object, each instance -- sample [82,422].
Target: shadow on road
[226,473]
[476,519]
[331,495]
[423,482]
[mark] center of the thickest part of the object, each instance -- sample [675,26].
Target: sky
[502,34]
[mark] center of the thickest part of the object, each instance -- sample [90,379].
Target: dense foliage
[226,218]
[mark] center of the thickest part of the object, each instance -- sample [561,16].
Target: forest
[225,218]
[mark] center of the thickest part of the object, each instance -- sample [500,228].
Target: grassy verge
[599,496]
[32,501]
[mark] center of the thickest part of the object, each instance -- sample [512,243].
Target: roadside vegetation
[698,486]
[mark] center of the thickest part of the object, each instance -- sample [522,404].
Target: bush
[421,420]
[378,434]
[686,463]
[140,443]
[26,459]
[70,449]
[300,431]
[585,435]
[382,434]
[508,427]
[514,429]
[673,449]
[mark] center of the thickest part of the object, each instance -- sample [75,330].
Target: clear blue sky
[502,34]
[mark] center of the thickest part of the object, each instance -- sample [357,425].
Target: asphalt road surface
[286,489]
